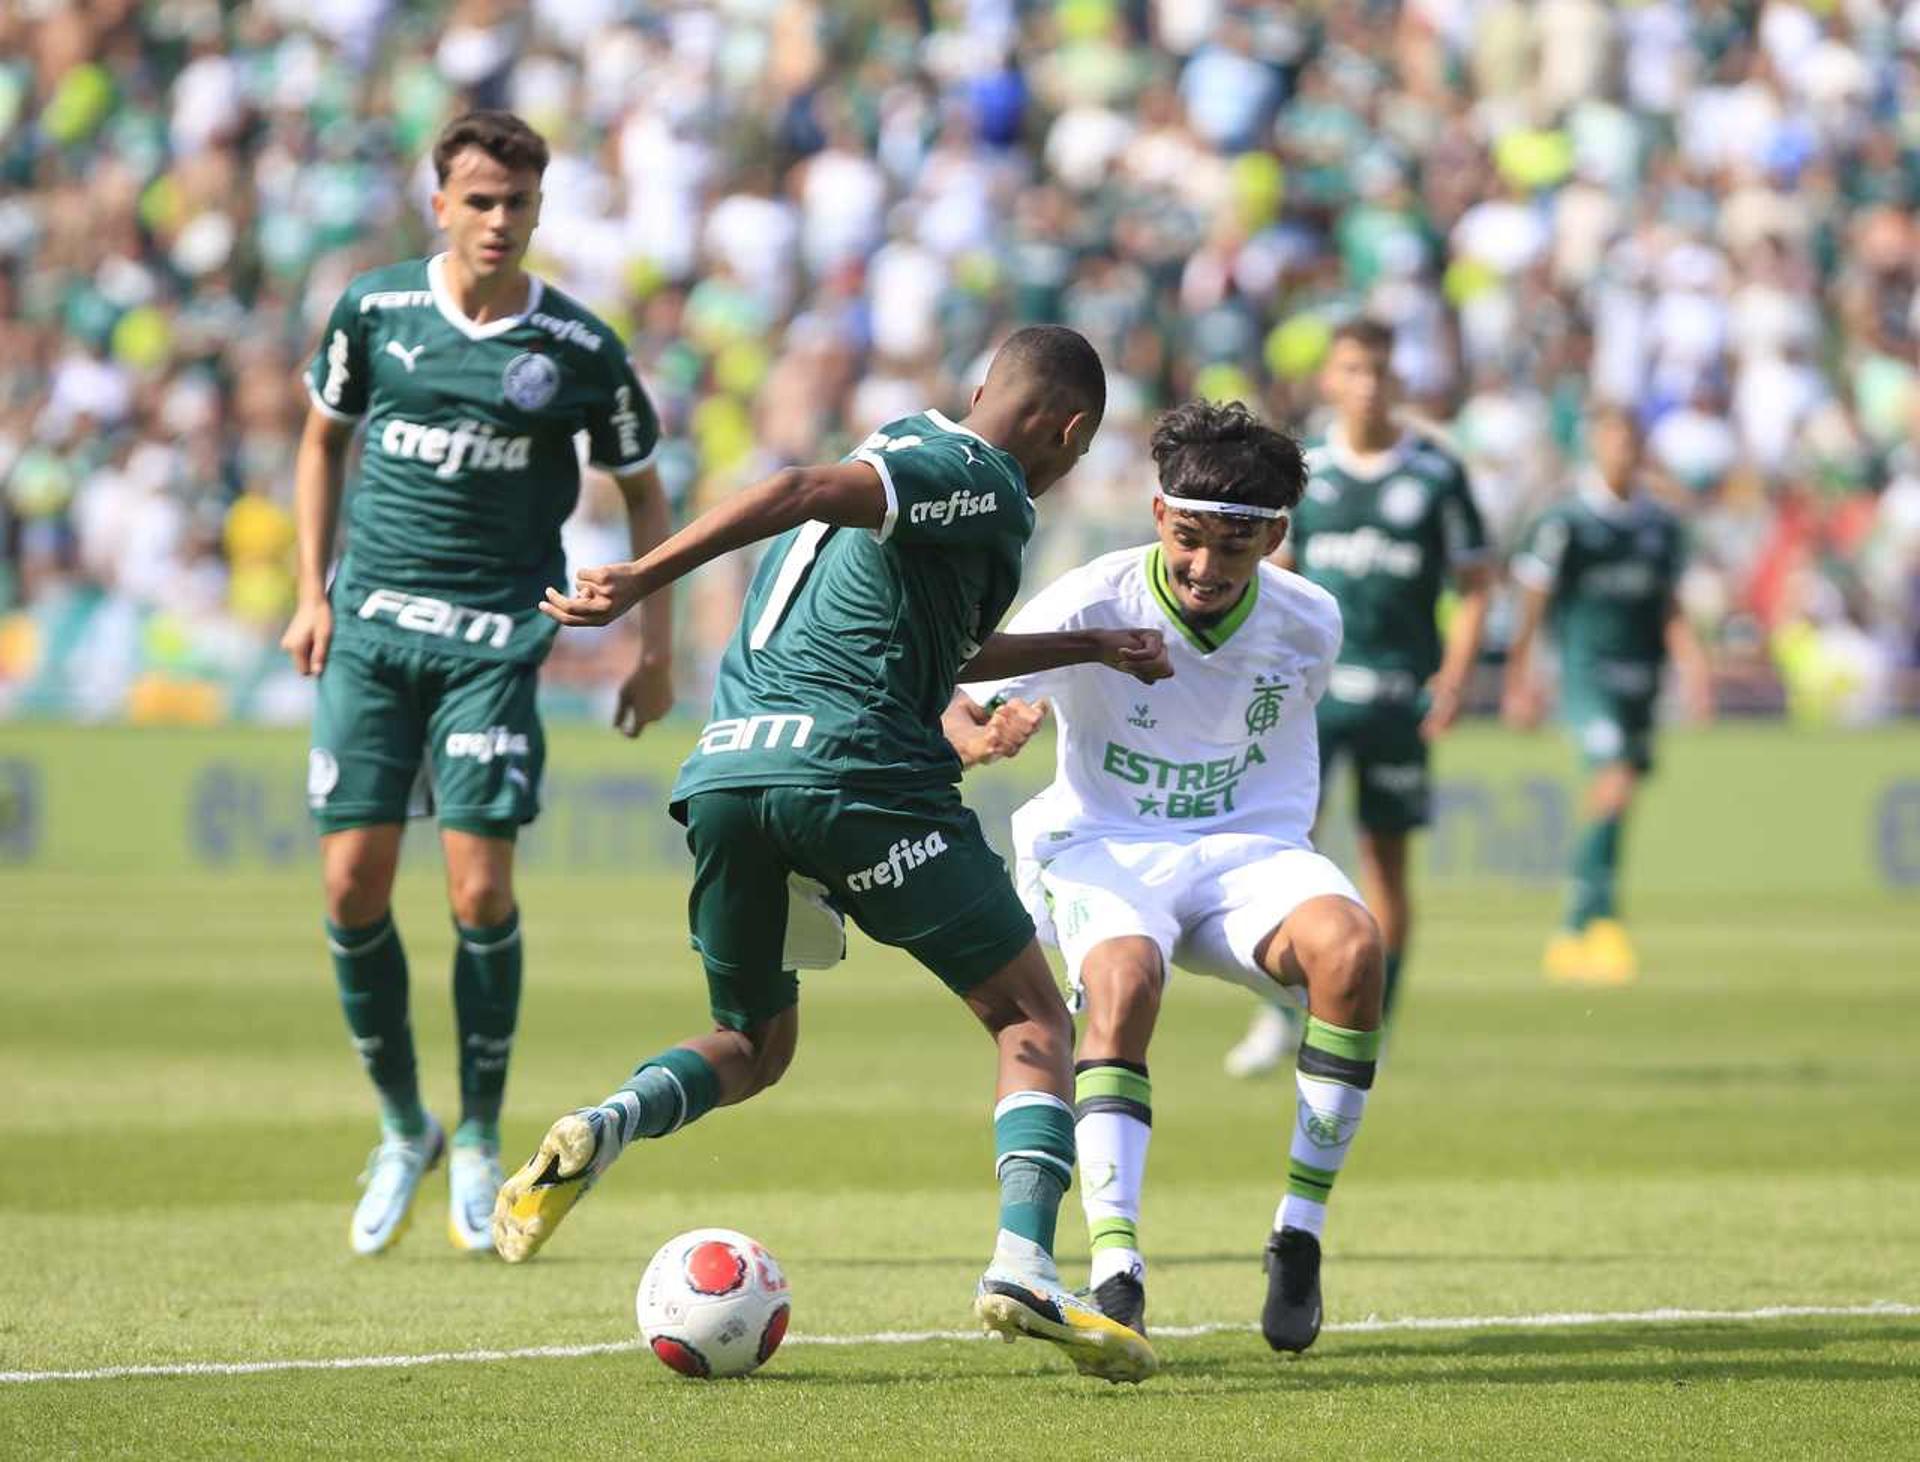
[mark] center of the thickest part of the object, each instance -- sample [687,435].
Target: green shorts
[912,868]
[1390,761]
[1610,729]
[401,733]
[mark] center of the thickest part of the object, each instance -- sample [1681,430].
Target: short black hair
[502,136]
[1220,452]
[1059,361]
[1363,330]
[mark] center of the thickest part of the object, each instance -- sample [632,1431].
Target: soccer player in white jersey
[1175,832]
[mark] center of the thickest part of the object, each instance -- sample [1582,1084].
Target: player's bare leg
[1332,946]
[370,968]
[487,962]
[1113,1108]
[1592,946]
[1021,1293]
[719,1069]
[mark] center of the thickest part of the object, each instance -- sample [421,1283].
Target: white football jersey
[1226,745]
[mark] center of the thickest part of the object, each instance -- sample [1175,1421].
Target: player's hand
[309,637]
[1010,728]
[600,596]
[644,697]
[1521,706]
[1443,709]
[1141,653]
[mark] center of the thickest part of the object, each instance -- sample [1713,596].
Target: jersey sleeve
[940,493]
[340,376]
[1463,534]
[1058,607]
[622,427]
[1543,553]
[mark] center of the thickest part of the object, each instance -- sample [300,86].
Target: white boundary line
[1373,1324]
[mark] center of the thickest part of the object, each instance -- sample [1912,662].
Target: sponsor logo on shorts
[1402,777]
[902,858]
[428,616]
[323,775]
[952,508]
[745,733]
[1181,789]
[486,746]
[468,446]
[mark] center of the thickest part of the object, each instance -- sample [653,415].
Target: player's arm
[1690,661]
[1473,582]
[1520,701]
[647,694]
[979,735]
[319,471]
[844,495]
[1141,653]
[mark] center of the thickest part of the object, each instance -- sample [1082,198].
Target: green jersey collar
[941,420]
[1213,636]
[464,323]
[1375,466]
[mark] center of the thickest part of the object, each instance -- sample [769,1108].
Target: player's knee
[357,892]
[481,897]
[1340,950]
[1122,997]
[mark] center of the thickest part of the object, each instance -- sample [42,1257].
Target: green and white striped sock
[1113,1106]
[1332,1076]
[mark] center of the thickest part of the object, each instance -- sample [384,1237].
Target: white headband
[1226,510]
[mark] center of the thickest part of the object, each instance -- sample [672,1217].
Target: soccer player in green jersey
[822,786]
[1601,570]
[1388,523]
[469,381]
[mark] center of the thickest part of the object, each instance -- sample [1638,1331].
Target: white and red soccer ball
[713,1303]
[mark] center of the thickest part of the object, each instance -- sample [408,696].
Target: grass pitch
[183,1120]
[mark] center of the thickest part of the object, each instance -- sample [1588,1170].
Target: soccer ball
[712,1303]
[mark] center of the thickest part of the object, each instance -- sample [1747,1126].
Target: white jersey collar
[460,320]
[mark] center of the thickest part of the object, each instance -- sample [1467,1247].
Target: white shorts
[1207,902]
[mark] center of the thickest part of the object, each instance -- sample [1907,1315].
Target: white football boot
[473,1182]
[392,1181]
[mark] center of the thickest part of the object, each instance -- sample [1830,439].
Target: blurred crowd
[808,217]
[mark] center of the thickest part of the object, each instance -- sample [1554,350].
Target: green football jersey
[1611,569]
[851,642]
[468,465]
[1383,544]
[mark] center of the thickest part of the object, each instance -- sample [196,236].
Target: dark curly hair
[1221,452]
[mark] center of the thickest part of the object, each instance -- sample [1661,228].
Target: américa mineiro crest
[1263,710]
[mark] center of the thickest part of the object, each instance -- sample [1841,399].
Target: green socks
[665,1094]
[370,967]
[1596,857]
[1033,1147]
[486,1004]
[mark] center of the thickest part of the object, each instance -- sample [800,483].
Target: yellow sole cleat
[1097,1346]
[532,1202]
[1566,958]
[1610,956]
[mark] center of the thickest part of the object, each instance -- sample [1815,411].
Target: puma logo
[406,357]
